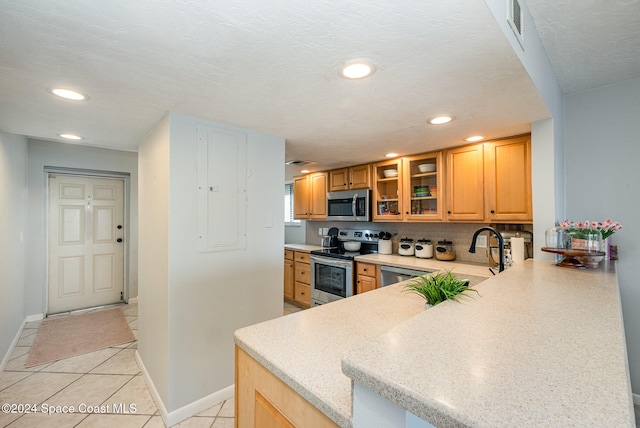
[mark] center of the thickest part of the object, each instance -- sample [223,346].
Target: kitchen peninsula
[539,346]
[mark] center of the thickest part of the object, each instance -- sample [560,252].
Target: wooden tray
[570,256]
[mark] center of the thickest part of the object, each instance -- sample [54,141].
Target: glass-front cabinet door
[423,187]
[387,191]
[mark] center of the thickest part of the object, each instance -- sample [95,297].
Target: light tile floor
[108,377]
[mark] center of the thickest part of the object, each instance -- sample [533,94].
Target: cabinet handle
[448,212]
[493,211]
[365,269]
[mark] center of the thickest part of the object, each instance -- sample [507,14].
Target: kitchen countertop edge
[304,248]
[332,413]
[413,388]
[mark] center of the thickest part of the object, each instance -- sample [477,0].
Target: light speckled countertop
[305,248]
[540,346]
[411,262]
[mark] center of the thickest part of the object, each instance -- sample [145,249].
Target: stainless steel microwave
[350,205]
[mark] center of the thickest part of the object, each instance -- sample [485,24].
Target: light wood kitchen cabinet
[423,187]
[366,277]
[288,275]
[310,196]
[302,279]
[507,185]
[465,183]
[355,177]
[387,191]
[263,400]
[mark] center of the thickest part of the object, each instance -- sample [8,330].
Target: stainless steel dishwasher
[391,274]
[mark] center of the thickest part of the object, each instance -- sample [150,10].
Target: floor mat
[72,335]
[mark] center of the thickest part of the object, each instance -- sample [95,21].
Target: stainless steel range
[332,269]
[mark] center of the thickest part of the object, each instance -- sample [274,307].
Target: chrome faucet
[472,249]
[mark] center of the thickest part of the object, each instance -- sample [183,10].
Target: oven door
[331,279]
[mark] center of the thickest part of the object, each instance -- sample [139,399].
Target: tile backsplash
[459,234]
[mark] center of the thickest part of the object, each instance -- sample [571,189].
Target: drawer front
[288,254]
[303,271]
[302,293]
[367,269]
[302,257]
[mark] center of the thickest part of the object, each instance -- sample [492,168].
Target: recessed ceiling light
[70,136]
[305,171]
[441,120]
[69,94]
[474,138]
[357,69]
[391,155]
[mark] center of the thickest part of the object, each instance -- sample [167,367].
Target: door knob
[119,226]
[119,239]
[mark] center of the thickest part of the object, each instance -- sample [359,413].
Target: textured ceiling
[271,66]
[590,43]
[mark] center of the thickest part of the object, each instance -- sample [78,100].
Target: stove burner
[340,253]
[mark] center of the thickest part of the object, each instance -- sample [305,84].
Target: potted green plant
[438,287]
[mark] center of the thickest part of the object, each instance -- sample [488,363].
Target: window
[288,206]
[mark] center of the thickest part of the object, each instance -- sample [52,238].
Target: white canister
[406,247]
[424,249]
[384,246]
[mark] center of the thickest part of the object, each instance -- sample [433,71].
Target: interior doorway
[86,233]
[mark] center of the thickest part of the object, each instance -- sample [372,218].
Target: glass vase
[589,241]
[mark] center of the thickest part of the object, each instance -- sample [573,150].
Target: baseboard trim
[34,317]
[185,412]
[200,405]
[152,389]
[636,398]
[132,301]
[14,343]
[5,360]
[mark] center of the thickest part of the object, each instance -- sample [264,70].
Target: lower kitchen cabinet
[263,400]
[366,277]
[288,275]
[297,287]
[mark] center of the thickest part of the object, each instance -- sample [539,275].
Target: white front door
[86,242]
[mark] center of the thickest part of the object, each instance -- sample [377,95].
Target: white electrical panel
[222,189]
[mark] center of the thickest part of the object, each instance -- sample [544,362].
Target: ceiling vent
[297,162]
[515,18]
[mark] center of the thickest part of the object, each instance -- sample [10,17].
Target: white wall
[602,153]
[544,166]
[13,230]
[296,234]
[210,295]
[153,259]
[49,153]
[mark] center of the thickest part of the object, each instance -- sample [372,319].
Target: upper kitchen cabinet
[387,191]
[465,183]
[423,187]
[355,177]
[508,179]
[310,196]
